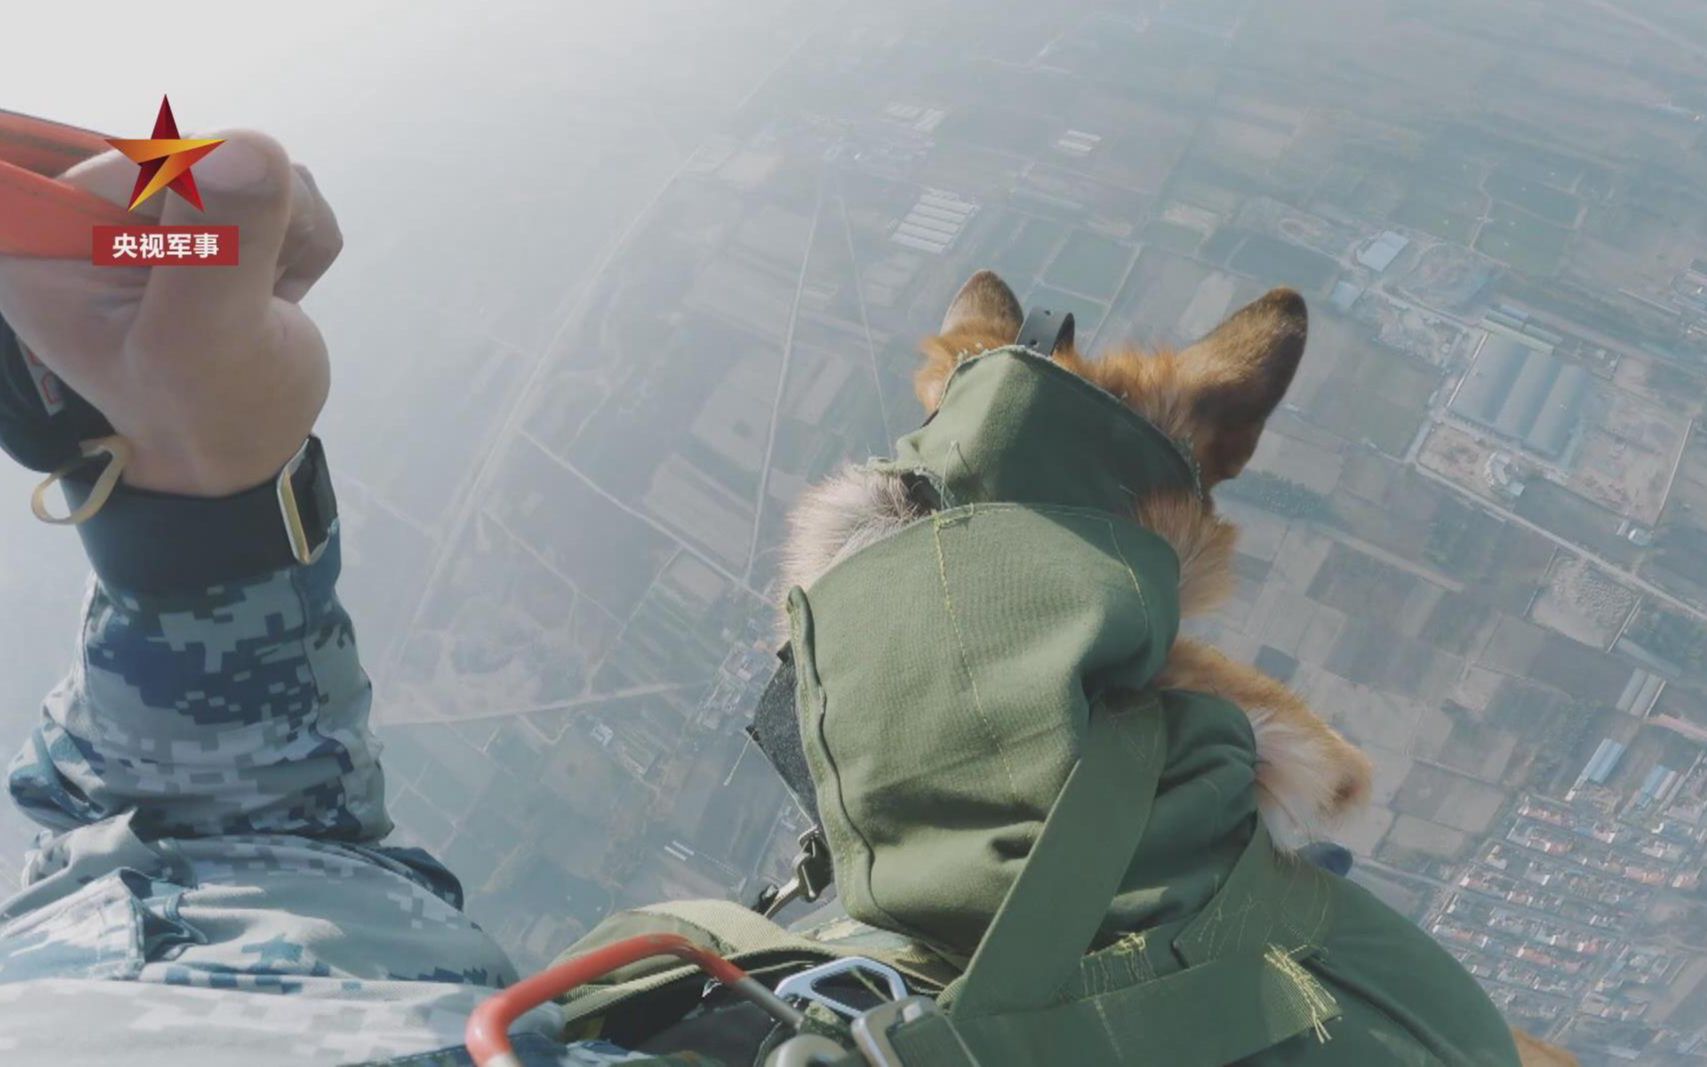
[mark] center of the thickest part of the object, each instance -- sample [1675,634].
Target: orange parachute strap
[39,216]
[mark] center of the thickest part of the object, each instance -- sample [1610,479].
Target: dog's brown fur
[1533,1052]
[1214,397]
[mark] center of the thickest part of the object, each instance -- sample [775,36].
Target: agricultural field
[1172,237]
[1628,456]
[1031,245]
[1554,507]
[1582,602]
[1378,395]
[1091,265]
[1162,286]
[1542,201]
[1283,263]
[1449,212]
[1523,241]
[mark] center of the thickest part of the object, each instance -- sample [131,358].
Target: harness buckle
[813,873]
[871,1031]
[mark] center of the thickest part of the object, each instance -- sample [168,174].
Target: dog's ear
[985,314]
[1239,374]
[984,306]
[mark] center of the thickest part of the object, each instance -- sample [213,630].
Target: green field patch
[1090,264]
[1533,164]
[1221,245]
[1523,241]
[1553,507]
[1448,212]
[1541,200]
[1026,252]
[1377,395]
[1459,199]
[1442,165]
[1277,262]
[1341,181]
[1172,237]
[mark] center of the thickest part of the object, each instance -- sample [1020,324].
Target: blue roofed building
[1605,758]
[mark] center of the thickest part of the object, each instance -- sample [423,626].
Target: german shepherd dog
[1215,397]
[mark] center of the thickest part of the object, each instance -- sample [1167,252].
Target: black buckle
[813,873]
[1046,331]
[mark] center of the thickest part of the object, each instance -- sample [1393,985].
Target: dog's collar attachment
[1046,331]
[1016,427]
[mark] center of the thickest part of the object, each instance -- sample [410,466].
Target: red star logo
[165,159]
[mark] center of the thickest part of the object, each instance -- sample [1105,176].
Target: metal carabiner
[804,985]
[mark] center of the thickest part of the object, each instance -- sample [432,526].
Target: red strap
[39,216]
[487,1034]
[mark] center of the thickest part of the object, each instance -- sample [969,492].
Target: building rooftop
[1383,251]
[1345,295]
[1523,393]
[1604,759]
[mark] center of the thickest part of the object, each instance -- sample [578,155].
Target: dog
[1214,398]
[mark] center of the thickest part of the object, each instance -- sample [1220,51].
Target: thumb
[246,183]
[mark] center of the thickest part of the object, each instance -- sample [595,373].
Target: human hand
[214,375]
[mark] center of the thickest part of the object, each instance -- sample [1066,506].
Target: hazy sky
[417,117]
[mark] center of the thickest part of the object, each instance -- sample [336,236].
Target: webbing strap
[743,936]
[1217,1013]
[1031,994]
[1055,907]
[1282,901]
[745,931]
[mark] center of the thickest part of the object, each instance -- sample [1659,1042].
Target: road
[474,489]
[782,379]
[1411,459]
[865,320]
[1570,546]
[635,513]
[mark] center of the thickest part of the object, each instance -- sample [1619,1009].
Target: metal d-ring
[804,985]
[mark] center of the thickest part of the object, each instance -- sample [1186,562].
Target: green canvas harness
[1014,427]
[974,694]
[1068,858]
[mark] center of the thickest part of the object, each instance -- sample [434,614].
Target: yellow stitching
[1317,1001]
[972,475]
[966,662]
[1137,586]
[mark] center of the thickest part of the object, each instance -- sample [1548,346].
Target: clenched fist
[213,374]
